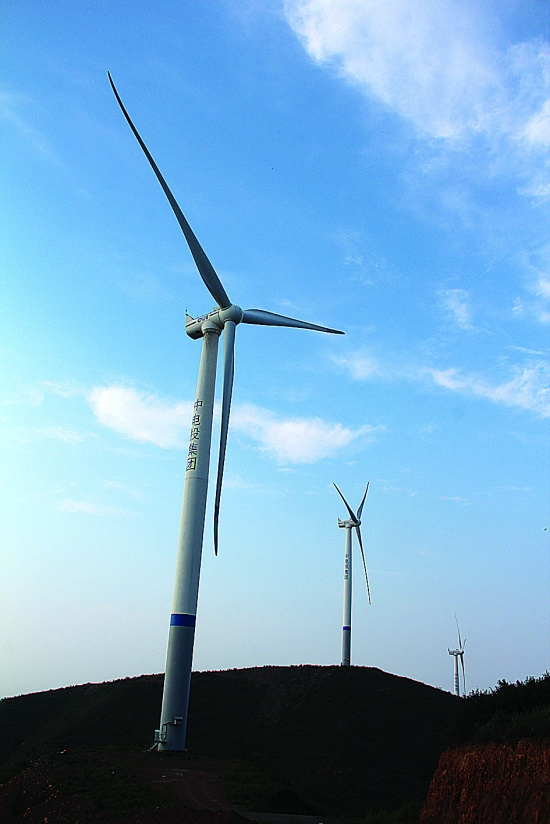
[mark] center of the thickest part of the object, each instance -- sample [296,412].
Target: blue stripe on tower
[181,619]
[346,628]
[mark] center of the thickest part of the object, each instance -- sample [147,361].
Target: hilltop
[331,740]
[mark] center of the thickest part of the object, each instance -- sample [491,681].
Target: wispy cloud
[528,388]
[456,303]
[361,366]
[89,508]
[455,499]
[538,306]
[64,434]
[25,395]
[134,493]
[10,111]
[437,65]
[364,259]
[63,390]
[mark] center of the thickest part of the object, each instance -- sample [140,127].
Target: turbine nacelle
[194,327]
[349,524]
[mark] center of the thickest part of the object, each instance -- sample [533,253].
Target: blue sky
[380,168]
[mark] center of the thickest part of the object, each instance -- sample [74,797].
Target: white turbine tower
[225,317]
[458,653]
[353,522]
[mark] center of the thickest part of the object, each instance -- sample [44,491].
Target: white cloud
[434,64]
[140,416]
[455,301]
[147,418]
[527,389]
[297,440]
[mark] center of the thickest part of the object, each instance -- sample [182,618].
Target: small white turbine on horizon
[353,522]
[458,653]
[225,317]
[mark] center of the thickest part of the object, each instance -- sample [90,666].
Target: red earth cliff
[491,784]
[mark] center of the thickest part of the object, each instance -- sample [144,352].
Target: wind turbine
[225,317]
[353,522]
[458,653]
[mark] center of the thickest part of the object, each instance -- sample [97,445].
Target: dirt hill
[491,784]
[331,740]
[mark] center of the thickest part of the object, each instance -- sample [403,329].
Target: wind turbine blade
[263,318]
[358,530]
[206,270]
[228,371]
[458,630]
[348,507]
[463,675]
[360,510]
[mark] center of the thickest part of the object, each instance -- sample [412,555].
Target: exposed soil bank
[491,784]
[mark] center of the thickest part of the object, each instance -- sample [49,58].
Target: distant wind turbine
[225,317]
[458,653]
[353,522]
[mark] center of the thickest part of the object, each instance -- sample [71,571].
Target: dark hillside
[347,739]
[344,739]
[121,713]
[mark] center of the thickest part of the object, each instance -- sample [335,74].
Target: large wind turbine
[225,317]
[458,653]
[353,522]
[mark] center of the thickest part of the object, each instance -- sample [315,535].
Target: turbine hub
[233,312]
